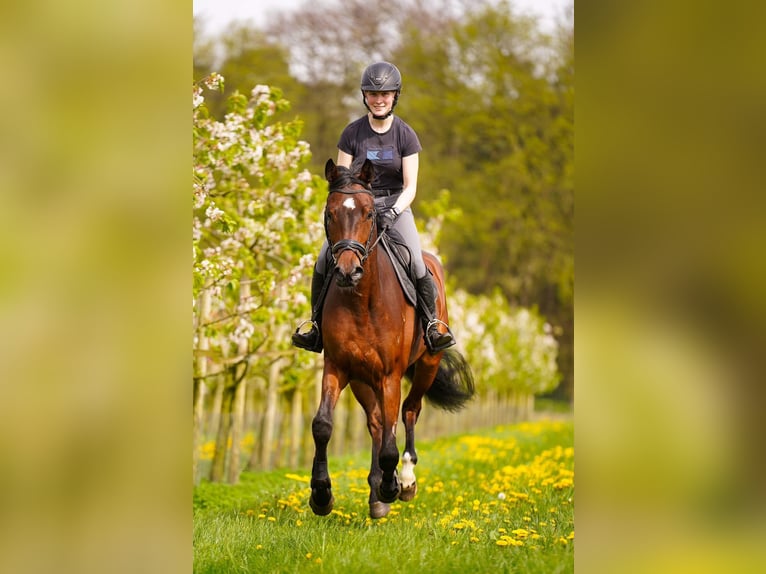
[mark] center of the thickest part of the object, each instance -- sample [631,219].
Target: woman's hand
[386,218]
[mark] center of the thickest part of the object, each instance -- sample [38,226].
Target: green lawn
[496,501]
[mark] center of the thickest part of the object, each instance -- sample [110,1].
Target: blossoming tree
[256,216]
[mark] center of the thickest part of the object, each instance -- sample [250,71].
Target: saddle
[401,258]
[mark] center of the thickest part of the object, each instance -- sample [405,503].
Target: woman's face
[380,102]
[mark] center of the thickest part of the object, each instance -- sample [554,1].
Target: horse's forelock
[344,178]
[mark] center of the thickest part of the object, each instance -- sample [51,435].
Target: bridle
[361,251]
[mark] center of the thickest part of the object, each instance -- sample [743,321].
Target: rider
[393,147]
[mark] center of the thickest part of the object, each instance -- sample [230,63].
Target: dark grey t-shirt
[385,150]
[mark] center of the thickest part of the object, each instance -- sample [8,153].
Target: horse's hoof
[379,509]
[321,510]
[389,495]
[408,492]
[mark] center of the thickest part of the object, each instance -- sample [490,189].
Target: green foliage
[496,501]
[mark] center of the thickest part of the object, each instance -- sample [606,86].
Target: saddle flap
[401,259]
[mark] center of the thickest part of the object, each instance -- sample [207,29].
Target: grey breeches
[405,225]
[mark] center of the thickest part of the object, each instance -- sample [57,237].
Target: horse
[372,339]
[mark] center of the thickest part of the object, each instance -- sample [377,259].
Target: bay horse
[372,338]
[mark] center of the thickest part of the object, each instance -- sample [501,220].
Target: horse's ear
[329,170]
[368,172]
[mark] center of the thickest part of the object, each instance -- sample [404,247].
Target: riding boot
[312,339]
[435,341]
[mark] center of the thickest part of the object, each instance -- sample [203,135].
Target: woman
[393,147]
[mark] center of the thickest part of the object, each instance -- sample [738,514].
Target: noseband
[361,251]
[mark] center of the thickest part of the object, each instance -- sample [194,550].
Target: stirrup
[314,325]
[443,346]
[301,340]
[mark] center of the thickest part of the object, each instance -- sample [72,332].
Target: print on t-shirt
[381,155]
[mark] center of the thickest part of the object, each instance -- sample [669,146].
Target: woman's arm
[344,159]
[410,177]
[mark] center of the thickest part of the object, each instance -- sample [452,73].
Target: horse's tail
[453,386]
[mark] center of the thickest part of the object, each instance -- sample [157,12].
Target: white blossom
[213,212]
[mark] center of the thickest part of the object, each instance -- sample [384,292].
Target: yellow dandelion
[571,535]
[318,561]
[520,532]
[272,519]
[299,478]
[473,539]
[299,523]
[502,542]
[516,543]
[259,546]
[308,555]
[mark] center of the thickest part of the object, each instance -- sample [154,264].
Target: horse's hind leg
[425,371]
[366,397]
[321,499]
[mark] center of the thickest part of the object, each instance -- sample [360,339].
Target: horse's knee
[321,428]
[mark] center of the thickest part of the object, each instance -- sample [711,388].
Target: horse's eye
[371,215]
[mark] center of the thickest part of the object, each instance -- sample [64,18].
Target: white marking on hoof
[407,476]
[349,203]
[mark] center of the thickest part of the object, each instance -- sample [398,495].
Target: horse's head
[349,220]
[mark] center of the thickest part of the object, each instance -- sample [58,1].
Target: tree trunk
[214,420]
[256,424]
[272,405]
[240,388]
[200,388]
[296,428]
[218,469]
[237,416]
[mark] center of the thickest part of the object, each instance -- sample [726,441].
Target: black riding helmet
[381,77]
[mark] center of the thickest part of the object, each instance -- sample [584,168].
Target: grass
[496,501]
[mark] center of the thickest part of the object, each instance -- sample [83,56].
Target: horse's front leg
[321,499]
[390,396]
[366,397]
